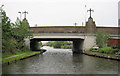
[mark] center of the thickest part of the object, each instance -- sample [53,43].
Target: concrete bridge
[83,37]
[80,41]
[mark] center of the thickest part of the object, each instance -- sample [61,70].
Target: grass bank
[103,55]
[9,58]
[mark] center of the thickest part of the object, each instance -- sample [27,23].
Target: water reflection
[62,61]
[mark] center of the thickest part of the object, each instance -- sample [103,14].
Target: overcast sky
[63,12]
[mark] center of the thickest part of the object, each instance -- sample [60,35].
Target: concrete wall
[84,45]
[89,41]
[27,42]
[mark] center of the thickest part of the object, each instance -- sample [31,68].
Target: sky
[63,12]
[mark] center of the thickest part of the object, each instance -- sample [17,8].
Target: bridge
[83,37]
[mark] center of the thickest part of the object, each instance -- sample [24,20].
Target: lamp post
[75,26]
[20,14]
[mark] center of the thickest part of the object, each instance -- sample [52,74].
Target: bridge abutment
[89,42]
[77,46]
[27,42]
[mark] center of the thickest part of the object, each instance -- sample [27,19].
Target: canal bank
[14,58]
[102,55]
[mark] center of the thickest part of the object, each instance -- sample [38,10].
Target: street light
[75,25]
[20,14]
[1,6]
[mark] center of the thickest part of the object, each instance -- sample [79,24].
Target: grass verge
[6,58]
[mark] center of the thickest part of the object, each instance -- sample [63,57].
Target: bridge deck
[58,36]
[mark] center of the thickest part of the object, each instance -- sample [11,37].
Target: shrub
[108,50]
[25,48]
[118,53]
[118,46]
[101,50]
[62,47]
[70,46]
[115,50]
[91,49]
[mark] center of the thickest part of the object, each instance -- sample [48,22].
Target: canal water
[62,61]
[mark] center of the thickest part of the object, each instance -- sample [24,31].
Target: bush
[115,50]
[62,47]
[118,46]
[108,50]
[91,49]
[118,53]
[25,48]
[101,50]
[70,46]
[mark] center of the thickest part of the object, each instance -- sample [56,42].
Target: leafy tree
[102,39]
[7,44]
[20,31]
[57,44]
[13,34]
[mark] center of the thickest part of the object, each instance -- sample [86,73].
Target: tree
[13,34]
[102,39]
[20,31]
[7,44]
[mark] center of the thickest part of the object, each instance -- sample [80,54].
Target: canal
[62,61]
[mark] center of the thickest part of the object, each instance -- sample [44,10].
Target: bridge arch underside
[77,43]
